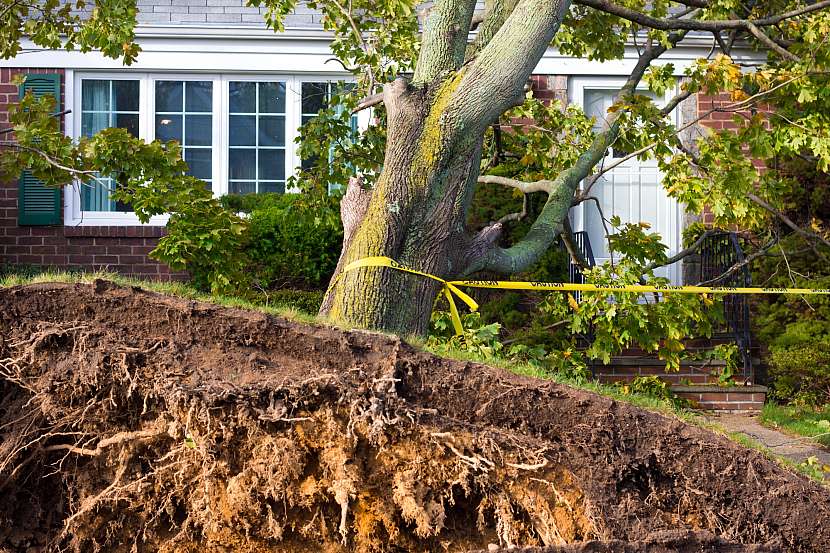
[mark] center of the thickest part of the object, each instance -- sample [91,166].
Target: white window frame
[291,117]
[577,86]
[216,150]
[74,216]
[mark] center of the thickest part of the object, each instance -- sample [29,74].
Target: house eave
[240,32]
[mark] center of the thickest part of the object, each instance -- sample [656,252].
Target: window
[184,112]
[236,131]
[256,137]
[315,96]
[107,103]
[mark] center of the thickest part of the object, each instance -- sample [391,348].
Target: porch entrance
[631,190]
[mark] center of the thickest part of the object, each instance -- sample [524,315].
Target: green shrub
[292,240]
[307,301]
[246,203]
[795,329]
[801,373]
[651,386]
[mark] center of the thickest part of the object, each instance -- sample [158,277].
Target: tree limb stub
[524,187]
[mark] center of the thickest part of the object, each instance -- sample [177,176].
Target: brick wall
[121,249]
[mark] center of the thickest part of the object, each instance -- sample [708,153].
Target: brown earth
[131,421]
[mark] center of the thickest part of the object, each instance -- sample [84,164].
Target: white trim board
[288,53]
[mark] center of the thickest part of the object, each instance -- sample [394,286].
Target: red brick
[57,240]
[659,371]
[105,259]
[80,259]
[55,260]
[133,259]
[145,269]
[30,259]
[81,241]
[30,240]
[713,396]
[739,396]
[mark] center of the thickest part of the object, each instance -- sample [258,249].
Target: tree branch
[444,40]
[696,25]
[681,254]
[494,80]
[58,114]
[518,216]
[368,102]
[571,246]
[769,43]
[525,187]
[787,221]
[549,223]
[496,13]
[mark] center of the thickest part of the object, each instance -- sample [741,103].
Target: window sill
[108,231]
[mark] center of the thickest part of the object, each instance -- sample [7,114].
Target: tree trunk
[415,215]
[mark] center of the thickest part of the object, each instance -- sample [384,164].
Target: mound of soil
[131,421]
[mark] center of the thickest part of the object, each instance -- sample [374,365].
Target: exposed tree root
[134,422]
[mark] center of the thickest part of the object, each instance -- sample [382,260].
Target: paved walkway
[794,448]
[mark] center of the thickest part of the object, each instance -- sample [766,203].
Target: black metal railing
[722,263]
[583,246]
[575,276]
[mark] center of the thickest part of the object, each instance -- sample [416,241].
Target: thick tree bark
[415,215]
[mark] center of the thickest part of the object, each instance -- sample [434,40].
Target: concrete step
[736,399]
[626,369]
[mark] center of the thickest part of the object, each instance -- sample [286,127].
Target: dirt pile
[131,421]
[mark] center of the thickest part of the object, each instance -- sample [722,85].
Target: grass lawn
[801,421]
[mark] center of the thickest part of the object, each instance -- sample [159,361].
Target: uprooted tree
[437,93]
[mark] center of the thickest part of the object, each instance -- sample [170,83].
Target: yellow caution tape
[450,287]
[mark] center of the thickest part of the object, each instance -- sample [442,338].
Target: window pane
[242,130]
[272,187]
[242,97]
[91,123]
[125,95]
[127,121]
[169,127]
[236,187]
[200,161]
[95,95]
[272,164]
[198,130]
[242,164]
[272,131]
[272,97]
[169,96]
[95,195]
[314,97]
[199,96]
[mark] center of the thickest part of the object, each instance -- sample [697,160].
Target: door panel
[631,191]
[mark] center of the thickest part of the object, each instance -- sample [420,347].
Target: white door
[631,191]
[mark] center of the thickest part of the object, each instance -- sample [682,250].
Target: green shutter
[39,204]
